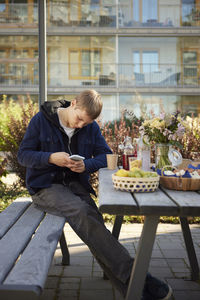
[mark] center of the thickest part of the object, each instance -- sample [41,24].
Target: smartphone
[76,157]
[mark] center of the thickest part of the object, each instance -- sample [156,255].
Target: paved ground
[82,280]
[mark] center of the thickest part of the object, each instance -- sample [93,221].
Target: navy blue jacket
[44,137]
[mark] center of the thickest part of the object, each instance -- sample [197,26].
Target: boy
[60,185]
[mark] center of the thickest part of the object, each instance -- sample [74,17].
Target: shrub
[7,109]
[3,171]
[12,132]
[191,139]
[116,131]
[9,193]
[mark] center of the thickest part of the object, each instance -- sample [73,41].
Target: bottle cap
[175,157]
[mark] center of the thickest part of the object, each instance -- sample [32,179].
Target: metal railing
[78,14]
[166,15]
[106,74]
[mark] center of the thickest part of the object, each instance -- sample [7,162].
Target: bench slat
[12,213]
[32,267]
[13,243]
[19,292]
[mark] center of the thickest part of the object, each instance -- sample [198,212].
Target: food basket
[179,183]
[132,184]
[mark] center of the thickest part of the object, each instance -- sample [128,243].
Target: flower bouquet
[163,131]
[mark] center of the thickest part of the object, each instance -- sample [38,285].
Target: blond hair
[90,101]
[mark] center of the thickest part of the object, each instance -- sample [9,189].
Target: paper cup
[112,160]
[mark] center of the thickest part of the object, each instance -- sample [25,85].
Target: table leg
[117,226]
[190,248]
[142,258]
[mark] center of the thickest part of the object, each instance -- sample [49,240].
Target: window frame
[141,10]
[141,56]
[79,51]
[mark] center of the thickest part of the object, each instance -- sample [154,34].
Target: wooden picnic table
[152,205]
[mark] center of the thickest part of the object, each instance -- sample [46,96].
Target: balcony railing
[99,14]
[166,15]
[99,75]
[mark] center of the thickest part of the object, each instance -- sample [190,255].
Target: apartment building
[142,55]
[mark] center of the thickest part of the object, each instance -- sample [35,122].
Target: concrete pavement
[83,279]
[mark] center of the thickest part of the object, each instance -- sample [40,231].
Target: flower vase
[161,156]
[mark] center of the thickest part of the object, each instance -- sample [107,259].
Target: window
[190,67]
[2,53]
[188,7]
[2,6]
[145,10]
[145,61]
[84,63]
[149,10]
[19,65]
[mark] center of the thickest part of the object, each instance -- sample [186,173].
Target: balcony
[107,75]
[98,15]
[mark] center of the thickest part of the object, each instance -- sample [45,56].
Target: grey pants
[75,204]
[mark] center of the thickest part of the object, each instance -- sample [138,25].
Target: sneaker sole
[168,295]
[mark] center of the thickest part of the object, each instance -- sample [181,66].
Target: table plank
[156,203]
[114,201]
[189,202]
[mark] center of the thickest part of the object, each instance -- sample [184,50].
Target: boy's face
[77,118]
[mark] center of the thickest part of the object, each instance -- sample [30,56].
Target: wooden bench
[28,240]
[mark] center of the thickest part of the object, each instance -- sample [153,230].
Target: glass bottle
[144,154]
[128,151]
[135,143]
[146,158]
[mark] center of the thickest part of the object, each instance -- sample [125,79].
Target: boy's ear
[73,102]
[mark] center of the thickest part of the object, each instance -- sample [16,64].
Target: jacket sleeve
[100,150]
[29,154]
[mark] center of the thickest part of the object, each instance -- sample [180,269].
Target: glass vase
[161,156]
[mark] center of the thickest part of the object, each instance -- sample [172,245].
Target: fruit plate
[133,184]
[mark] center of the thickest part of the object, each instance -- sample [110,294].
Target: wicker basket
[132,184]
[180,184]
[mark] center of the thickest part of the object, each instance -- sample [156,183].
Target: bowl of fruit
[135,180]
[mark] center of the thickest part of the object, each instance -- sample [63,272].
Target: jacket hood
[49,109]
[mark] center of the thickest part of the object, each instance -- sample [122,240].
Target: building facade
[142,55]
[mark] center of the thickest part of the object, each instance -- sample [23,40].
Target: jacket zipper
[70,140]
[63,181]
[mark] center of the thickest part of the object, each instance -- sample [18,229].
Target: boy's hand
[62,159]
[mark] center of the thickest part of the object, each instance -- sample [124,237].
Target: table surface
[152,205]
[162,202]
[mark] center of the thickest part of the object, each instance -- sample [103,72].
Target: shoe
[156,289]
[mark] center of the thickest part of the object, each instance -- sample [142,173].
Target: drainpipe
[42,51]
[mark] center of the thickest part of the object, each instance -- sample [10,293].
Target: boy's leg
[87,222]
